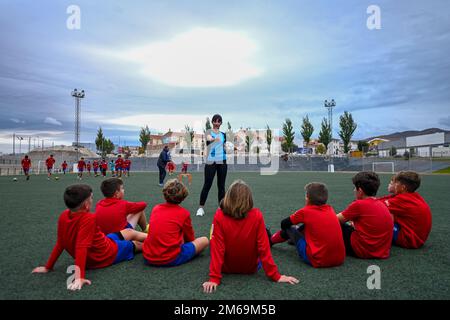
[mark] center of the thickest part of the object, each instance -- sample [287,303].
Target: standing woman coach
[216,161]
[163,159]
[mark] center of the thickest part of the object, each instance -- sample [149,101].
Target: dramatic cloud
[201,57]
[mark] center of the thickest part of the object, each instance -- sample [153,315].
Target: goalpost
[385,166]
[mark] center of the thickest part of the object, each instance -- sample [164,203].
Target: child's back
[413,215]
[79,230]
[169,226]
[323,235]
[245,241]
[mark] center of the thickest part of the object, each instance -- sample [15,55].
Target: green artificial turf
[29,211]
[446,171]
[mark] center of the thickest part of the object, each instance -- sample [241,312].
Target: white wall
[426,139]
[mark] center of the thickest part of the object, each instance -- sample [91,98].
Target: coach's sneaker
[200,212]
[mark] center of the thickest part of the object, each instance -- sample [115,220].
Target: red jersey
[237,245]
[104,165]
[170,166]
[111,213]
[95,164]
[170,226]
[26,163]
[127,164]
[184,168]
[81,164]
[323,235]
[50,162]
[373,228]
[413,215]
[64,165]
[79,235]
[119,163]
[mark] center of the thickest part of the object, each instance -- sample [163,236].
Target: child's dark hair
[368,181]
[110,186]
[238,200]
[410,179]
[175,191]
[76,194]
[317,193]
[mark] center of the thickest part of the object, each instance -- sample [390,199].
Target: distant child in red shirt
[64,166]
[79,235]
[49,163]
[412,215]
[368,235]
[114,214]
[239,241]
[171,167]
[127,167]
[184,173]
[95,166]
[319,240]
[119,165]
[171,240]
[26,165]
[81,167]
[88,167]
[104,167]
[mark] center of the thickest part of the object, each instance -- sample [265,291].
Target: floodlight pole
[78,95]
[330,105]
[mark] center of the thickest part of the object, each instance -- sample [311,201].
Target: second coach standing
[216,161]
[163,159]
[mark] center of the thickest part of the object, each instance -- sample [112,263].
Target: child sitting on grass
[171,240]
[319,240]
[80,236]
[114,214]
[239,242]
[412,215]
[368,235]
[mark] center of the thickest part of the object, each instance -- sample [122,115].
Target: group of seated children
[239,239]
[366,229]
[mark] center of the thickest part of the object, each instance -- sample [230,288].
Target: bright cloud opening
[202,57]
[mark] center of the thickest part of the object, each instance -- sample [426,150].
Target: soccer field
[29,211]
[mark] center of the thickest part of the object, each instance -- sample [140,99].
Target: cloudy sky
[169,63]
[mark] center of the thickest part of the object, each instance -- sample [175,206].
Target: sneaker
[161,185]
[200,212]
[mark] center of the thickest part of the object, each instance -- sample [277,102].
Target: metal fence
[276,163]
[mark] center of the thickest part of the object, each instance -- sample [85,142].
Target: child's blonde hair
[175,191]
[238,200]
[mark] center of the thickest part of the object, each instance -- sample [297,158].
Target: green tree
[348,127]
[288,135]
[99,140]
[268,137]
[207,125]
[307,130]
[363,146]
[248,139]
[144,138]
[108,146]
[321,149]
[393,151]
[325,133]
[190,133]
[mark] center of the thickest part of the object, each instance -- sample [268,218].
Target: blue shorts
[396,231]
[187,253]
[129,226]
[26,171]
[126,169]
[125,248]
[80,170]
[301,249]
[119,169]
[49,170]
